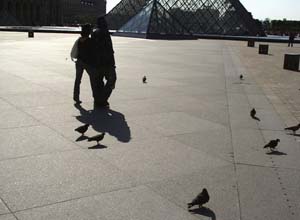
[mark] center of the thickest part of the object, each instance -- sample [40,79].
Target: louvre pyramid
[157,18]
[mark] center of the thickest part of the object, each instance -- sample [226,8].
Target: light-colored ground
[187,128]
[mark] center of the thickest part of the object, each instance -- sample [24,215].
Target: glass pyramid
[153,18]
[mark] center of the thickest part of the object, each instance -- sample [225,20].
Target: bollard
[263,49]
[251,43]
[291,62]
[30,34]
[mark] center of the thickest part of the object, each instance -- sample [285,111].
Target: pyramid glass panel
[222,17]
[163,22]
[123,12]
[140,22]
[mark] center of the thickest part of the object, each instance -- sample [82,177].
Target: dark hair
[86,30]
[101,22]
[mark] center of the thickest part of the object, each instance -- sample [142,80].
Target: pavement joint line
[270,167]
[194,148]
[261,130]
[165,198]
[25,126]
[225,51]
[37,155]
[11,212]
[44,124]
[77,198]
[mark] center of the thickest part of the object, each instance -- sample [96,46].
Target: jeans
[109,74]
[96,83]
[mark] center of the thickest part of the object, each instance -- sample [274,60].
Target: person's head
[101,23]
[86,30]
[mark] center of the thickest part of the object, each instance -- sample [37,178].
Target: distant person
[83,55]
[291,39]
[105,61]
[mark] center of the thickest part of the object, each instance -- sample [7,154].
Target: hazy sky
[261,9]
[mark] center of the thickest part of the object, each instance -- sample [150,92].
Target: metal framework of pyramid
[181,18]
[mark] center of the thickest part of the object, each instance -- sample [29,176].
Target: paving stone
[40,180]
[5,105]
[20,142]
[7,217]
[260,193]
[157,159]
[260,101]
[184,129]
[270,120]
[172,123]
[288,149]
[290,188]
[214,140]
[221,186]
[3,208]
[38,99]
[236,99]
[240,118]
[134,203]
[117,131]
[11,118]
[56,113]
[248,147]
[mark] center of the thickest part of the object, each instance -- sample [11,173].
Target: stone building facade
[50,12]
[81,11]
[30,12]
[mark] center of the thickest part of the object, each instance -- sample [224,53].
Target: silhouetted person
[84,53]
[291,39]
[105,61]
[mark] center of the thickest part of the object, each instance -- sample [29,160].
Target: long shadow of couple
[105,120]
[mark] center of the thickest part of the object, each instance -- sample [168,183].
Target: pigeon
[241,77]
[253,114]
[82,129]
[293,128]
[144,79]
[272,144]
[201,199]
[97,138]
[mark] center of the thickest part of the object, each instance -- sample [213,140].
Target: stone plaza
[186,129]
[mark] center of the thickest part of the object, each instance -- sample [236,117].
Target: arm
[74,51]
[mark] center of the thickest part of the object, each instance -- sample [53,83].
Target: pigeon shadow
[295,135]
[255,118]
[205,212]
[239,83]
[277,153]
[106,120]
[98,146]
[81,138]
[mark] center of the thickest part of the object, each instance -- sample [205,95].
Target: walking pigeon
[82,129]
[293,128]
[241,77]
[144,79]
[201,199]
[253,114]
[97,138]
[272,144]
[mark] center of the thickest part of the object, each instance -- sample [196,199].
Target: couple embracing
[95,55]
